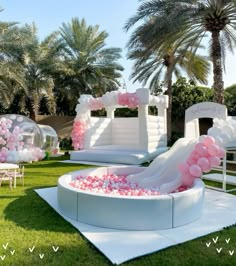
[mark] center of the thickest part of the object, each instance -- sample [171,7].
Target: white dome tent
[20,139]
[49,138]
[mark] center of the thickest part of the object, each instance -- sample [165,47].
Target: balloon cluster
[13,148]
[88,103]
[78,134]
[206,154]
[95,104]
[128,99]
[223,131]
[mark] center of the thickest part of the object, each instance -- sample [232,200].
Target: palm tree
[151,65]
[10,71]
[87,66]
[35,59]
[198,19]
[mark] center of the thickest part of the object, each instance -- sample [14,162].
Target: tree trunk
[169,110]
[218,84]
[32,111]
[32,114]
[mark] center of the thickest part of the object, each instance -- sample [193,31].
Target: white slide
[163,173]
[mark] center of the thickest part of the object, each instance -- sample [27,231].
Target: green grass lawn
[26,221]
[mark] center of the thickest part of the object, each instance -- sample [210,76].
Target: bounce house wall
[125,131]
[99,133]
[156,132]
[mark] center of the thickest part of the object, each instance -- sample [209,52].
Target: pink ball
[204,164]
[201,149]
[195,170]
[214,161]
[213,149]
[183,167]
[209,140]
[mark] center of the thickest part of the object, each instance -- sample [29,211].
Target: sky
[110,15]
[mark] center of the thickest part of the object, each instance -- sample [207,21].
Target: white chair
[6,176]
[19,173]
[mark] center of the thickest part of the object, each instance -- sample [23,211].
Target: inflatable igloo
[49,137]
[20,139]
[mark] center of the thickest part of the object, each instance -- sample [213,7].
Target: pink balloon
[221,153]
[191,161]
[195,170]
[187,180]
[183,167]
[213,149]
[4,152]
[207,170]
[214,161]
[204,164]
[197,156]
[201,149]
[209,140]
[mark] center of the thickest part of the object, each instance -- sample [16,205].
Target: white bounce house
[120,140]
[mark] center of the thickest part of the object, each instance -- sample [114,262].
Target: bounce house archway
[202,110]
[131,140]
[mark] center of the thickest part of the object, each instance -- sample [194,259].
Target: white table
[10,166]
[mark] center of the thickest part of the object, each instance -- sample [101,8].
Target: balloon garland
[80,125]
[205,155]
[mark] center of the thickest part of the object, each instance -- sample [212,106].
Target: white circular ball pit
[128,212]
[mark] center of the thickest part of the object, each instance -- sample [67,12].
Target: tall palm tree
[10,71]
[198,19]
[87,66]
[151,65]
[35,58]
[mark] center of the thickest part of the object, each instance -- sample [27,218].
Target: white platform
[120,245]
[231,180]
[93,163]
[114,154]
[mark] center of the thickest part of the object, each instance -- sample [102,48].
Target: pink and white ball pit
[140,210]
[20,139]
